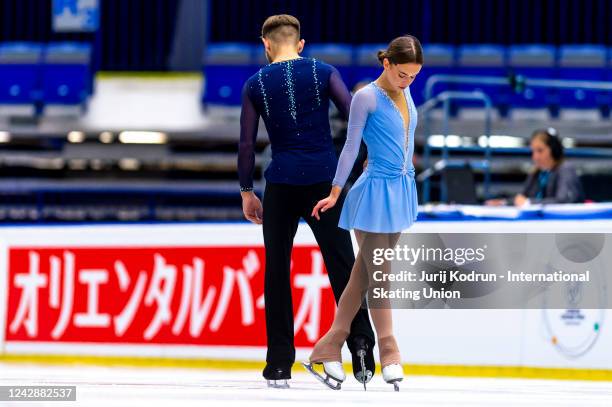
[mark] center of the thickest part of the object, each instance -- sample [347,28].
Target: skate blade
[395,383]
[361,378]
[325,380]
[278,384]
[368,376]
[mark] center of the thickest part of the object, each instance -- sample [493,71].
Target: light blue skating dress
[384,198]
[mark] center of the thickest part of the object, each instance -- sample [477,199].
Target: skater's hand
[327,203]
[323,205]
[252,208]
[520,200]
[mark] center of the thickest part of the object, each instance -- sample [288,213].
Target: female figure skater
[381,203]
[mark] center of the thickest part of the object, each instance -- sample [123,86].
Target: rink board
[132,291]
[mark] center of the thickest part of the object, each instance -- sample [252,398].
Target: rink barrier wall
[524,354]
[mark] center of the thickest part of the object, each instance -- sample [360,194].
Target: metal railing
[446,98]
[506,81]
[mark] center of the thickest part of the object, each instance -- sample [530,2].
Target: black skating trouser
[283,207]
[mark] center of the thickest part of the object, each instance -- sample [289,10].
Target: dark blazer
[563,186]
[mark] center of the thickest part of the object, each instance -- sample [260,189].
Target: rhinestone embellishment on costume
[316,82]
[406,128]
[290,90]
[263,93]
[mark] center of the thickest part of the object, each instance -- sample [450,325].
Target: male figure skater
[292,96]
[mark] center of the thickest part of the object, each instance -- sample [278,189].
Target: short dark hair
[281,28]
[403,50]
[550,137]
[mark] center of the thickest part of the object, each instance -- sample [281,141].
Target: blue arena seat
[259,56]
[338,55]
[67,73]
[608,99]
[533,61]
[20,72]
[585,63]
[227,66]
[439,60]
[367,67]
[484,60]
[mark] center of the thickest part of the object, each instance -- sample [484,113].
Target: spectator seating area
[227,66]
[40,75]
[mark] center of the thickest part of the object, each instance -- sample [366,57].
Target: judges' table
[564,218]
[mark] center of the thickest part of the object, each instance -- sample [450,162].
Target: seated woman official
[553,180]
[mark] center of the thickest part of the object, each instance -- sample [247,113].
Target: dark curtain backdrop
[134,34]
[139,34]
[433,21]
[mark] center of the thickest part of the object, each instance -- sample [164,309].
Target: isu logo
[575,330]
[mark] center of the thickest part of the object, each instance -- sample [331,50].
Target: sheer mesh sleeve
[249,122]
[339,93]
[363,103]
